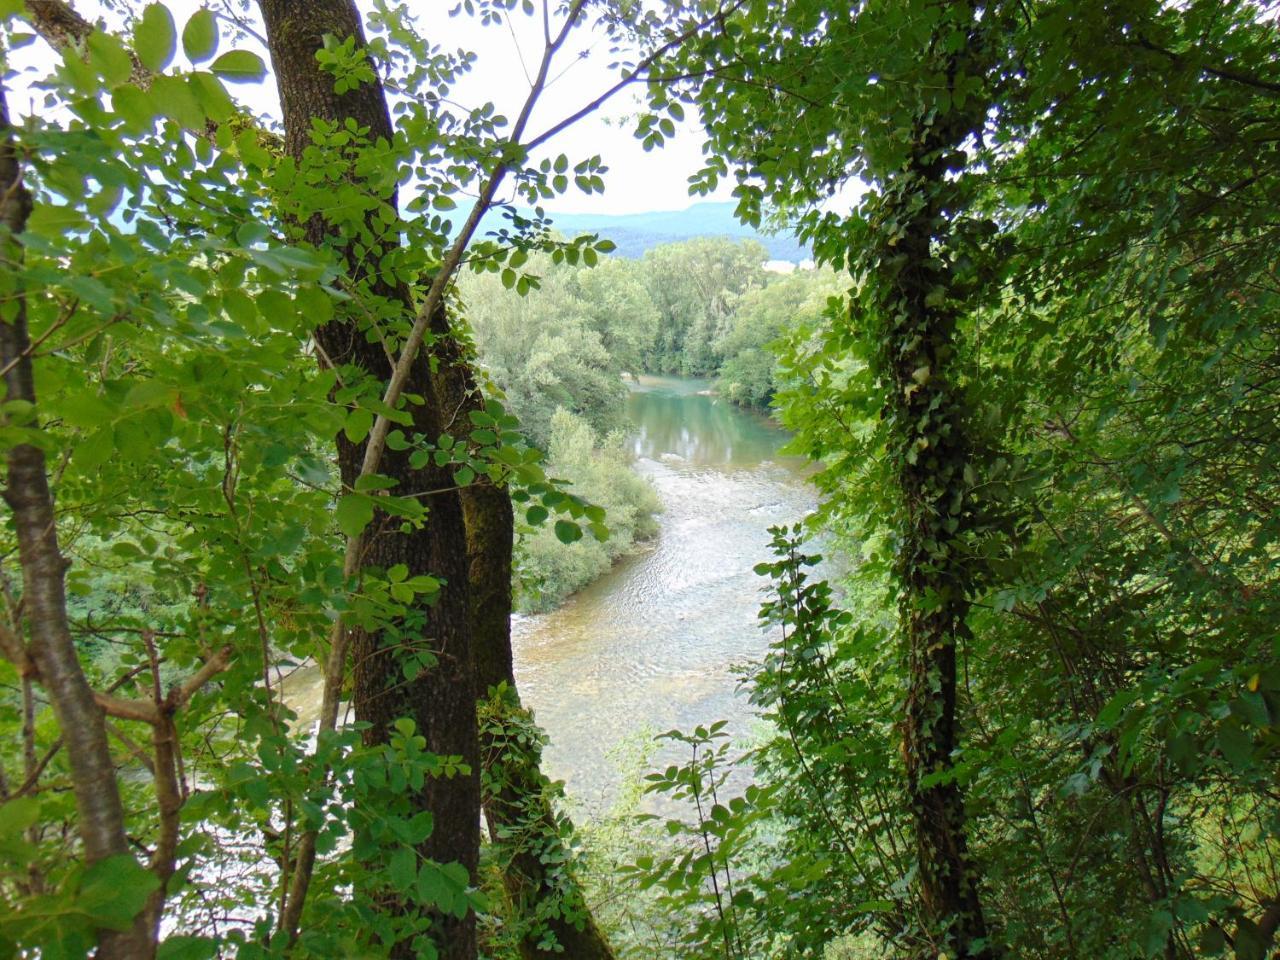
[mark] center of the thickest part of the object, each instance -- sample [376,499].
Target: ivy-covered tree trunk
[931,455]
[442,699]
[931,451]
[526,831]
[523,826]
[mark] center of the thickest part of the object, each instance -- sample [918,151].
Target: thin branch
[35,344]
[649,60]
[516,43]
[145,712]
[132,746]
[180,693]
[1222,73]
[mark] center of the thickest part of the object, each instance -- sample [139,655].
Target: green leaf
[432,887]
[354,513]
[96,450]
[315,304]
[374,481]
[1236,744]
[16,815]
[567,531]
[175,99]
[155,38]
[187,948]
[359,423]
[241,308]
[405,726]
[536,514]
[1157,932]
[402,869]
[1250,944]
[135,106]
[149,393]
[113,891]
[212,96]
[109,56]
[239,66]
[200,36]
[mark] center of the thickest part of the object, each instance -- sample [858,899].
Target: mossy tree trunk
[523,826]
[918,302]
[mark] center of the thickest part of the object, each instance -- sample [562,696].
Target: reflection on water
[672,419]
[654,642]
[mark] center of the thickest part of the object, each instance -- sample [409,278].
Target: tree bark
[934,603]
[441,700]
[523,826]
[52,653]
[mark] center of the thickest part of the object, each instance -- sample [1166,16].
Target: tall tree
[1059,318]
[919,66]
[527,833]
[440,700]
[50,656]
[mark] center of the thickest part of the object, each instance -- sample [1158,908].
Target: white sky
[636,182]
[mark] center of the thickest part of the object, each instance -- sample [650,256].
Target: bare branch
[123,708]
[649,60]
[180,693]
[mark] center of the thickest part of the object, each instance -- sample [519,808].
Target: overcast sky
[636,182]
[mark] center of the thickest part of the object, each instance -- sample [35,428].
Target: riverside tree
[1051,697]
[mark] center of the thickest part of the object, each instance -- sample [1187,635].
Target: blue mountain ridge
[634,233]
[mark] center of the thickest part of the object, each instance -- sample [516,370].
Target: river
[654,643]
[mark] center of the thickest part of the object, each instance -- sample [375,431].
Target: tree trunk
[935,582]
[522,824]
[930,448]
[442,699]
[52,653]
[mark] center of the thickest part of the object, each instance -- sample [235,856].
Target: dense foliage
[253,418]
[1068,252]
[197,312]
[700,308]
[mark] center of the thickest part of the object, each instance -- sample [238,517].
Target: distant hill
[634,233]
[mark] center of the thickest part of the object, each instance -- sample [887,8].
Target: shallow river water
[653,644]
